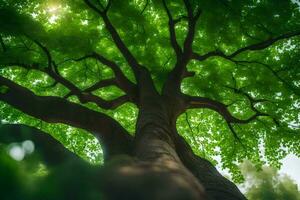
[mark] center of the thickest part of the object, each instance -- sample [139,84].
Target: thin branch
[145,7]
[85,97]
[202,102]
[52,85]
[101,84]
[275,73]
[253,47]
[190,127]
[172,32]
[47,52]
[192,21]
[235,135]
[251,100]
[4,48]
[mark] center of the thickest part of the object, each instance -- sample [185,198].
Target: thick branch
[253,47]
[112,135]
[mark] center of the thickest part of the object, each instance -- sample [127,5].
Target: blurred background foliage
[268,184]
[34,166]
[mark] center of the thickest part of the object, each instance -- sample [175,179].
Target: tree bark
[155,171]
[216,186]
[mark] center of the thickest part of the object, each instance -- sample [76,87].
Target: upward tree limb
[253,47]
[120,79]
[172,32]
[131,60]
[192,21]
[141,73]
[113,137]
[183,57]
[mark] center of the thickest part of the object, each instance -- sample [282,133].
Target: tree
[165,86]
[268,184]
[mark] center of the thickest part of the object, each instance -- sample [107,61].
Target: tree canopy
[73,59]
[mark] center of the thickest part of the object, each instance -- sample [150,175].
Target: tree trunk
[155,172]
[163,165]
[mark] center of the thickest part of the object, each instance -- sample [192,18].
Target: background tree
[169,84]
[268,184]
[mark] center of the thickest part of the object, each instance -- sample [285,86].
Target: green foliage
[70,30]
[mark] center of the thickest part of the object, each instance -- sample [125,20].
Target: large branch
[135,66]
[253,47]
[113,137]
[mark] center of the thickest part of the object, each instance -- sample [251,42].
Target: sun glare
[54,11]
